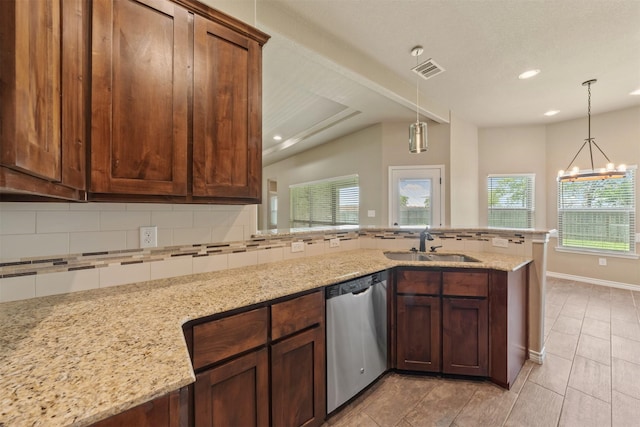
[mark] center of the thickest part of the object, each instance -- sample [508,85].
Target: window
[415,195]
[272,214]
[334,201]
[511,200]
[598,215]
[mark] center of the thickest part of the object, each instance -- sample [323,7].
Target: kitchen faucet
[424,235]
[433,248]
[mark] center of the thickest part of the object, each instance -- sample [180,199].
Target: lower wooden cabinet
[465,336]
[235,393]
[298,380]
[161,412]
[418,333]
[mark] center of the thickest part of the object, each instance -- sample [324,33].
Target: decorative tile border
[259,242]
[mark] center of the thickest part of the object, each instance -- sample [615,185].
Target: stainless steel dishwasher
[356,336]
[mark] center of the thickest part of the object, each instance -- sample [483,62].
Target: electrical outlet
[149,237]
[297,246]
[334,243]
[602,261]
[501,243]
[371,214]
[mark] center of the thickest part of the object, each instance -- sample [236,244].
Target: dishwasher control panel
[355,285]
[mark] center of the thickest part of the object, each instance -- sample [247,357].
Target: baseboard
[536,357]
[593,281]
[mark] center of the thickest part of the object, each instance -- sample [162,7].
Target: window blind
[511,200]
[598,215]
[334,201]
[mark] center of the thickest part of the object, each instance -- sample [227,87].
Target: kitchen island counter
[73,359]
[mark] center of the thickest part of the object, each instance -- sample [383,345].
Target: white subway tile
[315,249]
[205,264]
[97,206]
[97,241]
[17,288]
[149,207]
[470,245]
[193,208]
[34,206]
[17,222]
[34,245]
[67,281]
[227,234]
[56,222]
[293,255]
[114,275]
[368,243]
[172,219]
[124,220]
[243,259]
[172,267]
[270,255]
[191,236]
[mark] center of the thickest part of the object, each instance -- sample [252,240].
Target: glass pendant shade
[418,137]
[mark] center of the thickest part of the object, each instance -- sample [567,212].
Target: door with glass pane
[415,196]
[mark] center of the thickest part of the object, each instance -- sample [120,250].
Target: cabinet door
[418,333]
[227,114]
[139,97]
[465,338]
[234,394]
[161,412]
[31,88]
[298,380]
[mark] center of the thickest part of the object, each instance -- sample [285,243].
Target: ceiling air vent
[428,69]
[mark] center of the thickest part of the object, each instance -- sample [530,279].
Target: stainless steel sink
[421,256]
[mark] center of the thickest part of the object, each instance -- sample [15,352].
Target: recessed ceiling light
[551,112]
[635,92]
[528,74]
[277,138]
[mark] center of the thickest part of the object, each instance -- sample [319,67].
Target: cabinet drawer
[465,284]
[216,340]
[420,282]
[294,315]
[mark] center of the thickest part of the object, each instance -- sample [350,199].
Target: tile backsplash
[192,239]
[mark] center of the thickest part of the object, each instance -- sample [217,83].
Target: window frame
[530,201]
[335,184]
[630,210]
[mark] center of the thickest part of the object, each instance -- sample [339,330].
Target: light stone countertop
[76,358]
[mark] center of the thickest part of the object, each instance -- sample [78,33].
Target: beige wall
[358,153]
[513,150]
[618,134]
[395,152]
[464,173]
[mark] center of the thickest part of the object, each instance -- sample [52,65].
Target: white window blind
[598,215]
[334,201]
[511,200]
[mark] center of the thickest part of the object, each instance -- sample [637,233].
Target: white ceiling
[336,66]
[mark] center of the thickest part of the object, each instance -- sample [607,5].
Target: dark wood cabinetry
[43,91]
[235,393]
[161,412]
[261,367]
[139,97]
[227,111]
[465,323]
[462,321]
[171,110]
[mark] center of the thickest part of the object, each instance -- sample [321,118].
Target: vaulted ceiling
[336,66]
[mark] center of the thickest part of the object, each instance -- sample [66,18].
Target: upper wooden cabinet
[176,103]
[43,92]
[227,113]
[140,51]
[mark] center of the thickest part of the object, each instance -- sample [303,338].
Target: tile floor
[591,375]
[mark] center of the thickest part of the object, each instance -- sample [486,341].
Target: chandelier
[417,131]
[608,172]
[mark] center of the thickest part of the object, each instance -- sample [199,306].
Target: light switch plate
[371,214]
[334,243]
[602,261]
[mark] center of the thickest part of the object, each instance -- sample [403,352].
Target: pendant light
[417,131]
[608,172]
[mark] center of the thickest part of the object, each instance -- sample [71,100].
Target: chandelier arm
[590,140]
[576,156]
[600,149]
